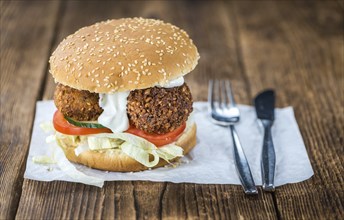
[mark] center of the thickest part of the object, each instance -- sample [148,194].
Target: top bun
[123,55]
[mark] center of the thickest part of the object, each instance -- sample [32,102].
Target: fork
[226,114]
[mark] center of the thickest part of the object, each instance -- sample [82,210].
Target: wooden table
[294,47]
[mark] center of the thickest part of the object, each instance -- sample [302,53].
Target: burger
[122,103]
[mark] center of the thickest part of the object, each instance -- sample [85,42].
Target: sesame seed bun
[122,55]
[116,160]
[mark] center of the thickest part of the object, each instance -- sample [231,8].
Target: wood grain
[294,47]
[301,56]
[147,200]
[25,44]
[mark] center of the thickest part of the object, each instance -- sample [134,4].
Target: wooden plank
[216,41]
[297,48]
[25,45]
[121,200]
[147,200]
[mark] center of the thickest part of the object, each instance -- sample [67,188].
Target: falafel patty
[80,105]
[154,110]
[159,110]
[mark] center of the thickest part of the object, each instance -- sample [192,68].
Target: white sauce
[114,115]
[173,83]
[114,105]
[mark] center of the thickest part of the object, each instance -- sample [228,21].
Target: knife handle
[268,160]
[242,166]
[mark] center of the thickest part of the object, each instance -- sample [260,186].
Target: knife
[265,109]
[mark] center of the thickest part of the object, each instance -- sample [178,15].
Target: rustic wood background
[294,47]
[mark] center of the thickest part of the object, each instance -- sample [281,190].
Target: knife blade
[265,109]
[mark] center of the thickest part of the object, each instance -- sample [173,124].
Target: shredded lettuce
[47,126]
[169,152]
[141,155]
[43,159]
[95,143]
[99,143]
[135,147]
[69,169]
[73,140]
[58,157]
[81,148]
[50,139]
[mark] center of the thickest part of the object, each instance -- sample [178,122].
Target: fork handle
[268,161]
[242,166]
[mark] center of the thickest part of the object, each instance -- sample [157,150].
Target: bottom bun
[116,160]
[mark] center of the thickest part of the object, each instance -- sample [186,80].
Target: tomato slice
[63,126]
[158,139]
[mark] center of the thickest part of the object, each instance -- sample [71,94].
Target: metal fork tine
[230,93]
[216,94]
[223,95]
[227,115]
[211,94]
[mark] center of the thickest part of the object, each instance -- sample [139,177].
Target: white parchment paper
[210,162]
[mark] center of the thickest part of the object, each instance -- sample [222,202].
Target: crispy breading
[80,105]
[159,110]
